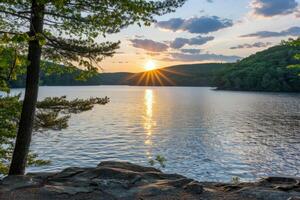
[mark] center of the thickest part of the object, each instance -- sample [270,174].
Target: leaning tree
[66,32]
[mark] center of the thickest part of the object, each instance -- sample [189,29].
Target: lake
[204,134]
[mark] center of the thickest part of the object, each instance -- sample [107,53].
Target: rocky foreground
[122,180]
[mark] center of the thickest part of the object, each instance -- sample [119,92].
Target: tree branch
[14,14]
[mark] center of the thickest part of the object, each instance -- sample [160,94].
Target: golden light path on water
[149,123]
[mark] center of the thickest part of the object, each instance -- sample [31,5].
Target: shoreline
[124,180]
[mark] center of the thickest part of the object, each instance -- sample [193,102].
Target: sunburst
[155,77]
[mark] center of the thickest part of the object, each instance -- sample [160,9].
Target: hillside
[181,75]
[264,71]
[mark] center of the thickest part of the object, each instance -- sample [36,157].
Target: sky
[206,31]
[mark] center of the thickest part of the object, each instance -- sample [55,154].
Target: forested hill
[264,71]
[181,75]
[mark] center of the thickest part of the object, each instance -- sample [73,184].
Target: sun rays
[155,77]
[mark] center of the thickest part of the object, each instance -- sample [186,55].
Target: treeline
[181,75]
[69,79]
[269,70]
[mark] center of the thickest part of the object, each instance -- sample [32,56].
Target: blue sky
[206,31]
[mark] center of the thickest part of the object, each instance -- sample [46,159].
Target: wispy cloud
[186,57]
[191,51]
[293,31]
[254,45]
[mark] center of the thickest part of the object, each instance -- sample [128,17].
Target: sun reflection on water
[149,123]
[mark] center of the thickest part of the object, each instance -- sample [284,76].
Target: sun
[150,65]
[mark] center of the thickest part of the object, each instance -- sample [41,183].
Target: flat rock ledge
[123,180]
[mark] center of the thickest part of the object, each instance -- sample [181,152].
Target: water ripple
[204,134]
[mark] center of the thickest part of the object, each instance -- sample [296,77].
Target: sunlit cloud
[149,45]
[180,42]
[153,53]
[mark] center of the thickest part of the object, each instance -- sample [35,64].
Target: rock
[263,193]
[278,179]
[294,198]
[128,166]
[42,175]
[127,181]
[19,182]
[194,187]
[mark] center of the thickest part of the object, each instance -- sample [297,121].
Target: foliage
[10,108]
[294,43]
[50,119]
[61,104]
[10,111]
[264,71]
[158,159]
[235,180]
[11,63]
[52,113]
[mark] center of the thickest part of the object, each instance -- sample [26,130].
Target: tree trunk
[19,159]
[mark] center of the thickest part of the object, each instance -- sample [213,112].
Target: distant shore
[173,86]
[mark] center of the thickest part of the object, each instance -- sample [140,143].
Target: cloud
[191,51]
[249,46]
[139,36]
[184,57]
[199,25]
[120,62]
[269,8]
[153,54]
[293,31]
[180,42]
[149,45]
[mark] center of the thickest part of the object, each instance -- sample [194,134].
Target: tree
[66,31]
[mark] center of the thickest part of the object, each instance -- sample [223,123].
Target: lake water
[204,134]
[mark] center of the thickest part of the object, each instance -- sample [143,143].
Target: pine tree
[65,31]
